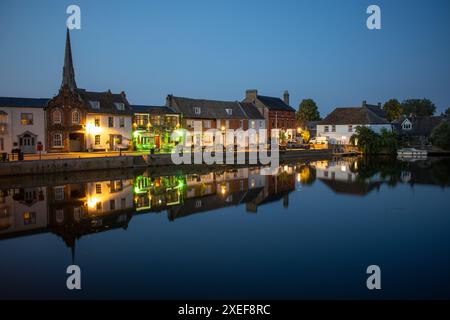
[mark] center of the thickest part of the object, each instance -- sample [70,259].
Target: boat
[408,153]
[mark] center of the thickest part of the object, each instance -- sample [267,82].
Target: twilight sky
[216,49]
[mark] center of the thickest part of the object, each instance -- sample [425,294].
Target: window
[75,117]
[98,206]
[122,122]
[189,123]
[57,117]
[59,193]
[58,140]
[350,128]
[229,111]
[29,218]
[141,120]
[252,124]
[95,104]
[207,124]
[97,140]
[111,122]
[326,129]
[333,128]
[97,122]
[112,204]
[2,144]
[197,110]
[119,106]
[26,119]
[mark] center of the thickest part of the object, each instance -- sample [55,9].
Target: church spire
[68,71]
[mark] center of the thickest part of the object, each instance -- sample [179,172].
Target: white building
[340,125]
[22,122]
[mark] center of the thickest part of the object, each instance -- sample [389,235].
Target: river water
[309,232]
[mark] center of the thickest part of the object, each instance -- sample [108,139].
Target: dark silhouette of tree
[441,135]
[418,107]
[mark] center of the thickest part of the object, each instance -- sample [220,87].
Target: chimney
[364,103]
[286,97]
[123,94]
[169,101]
[250,95]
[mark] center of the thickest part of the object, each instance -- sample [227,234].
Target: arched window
[75,117]
[57,116]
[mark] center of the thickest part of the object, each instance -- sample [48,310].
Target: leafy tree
[393,109]
[306,135]
[418,107]
[366,140]
[441,135]
[389,141]
[307,111]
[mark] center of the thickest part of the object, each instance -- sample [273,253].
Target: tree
[441,135]
[393,109]
[389,141]
[418,107]
[447,112]
[307,111]
[366,140]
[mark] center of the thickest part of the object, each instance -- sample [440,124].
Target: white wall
[105,131]
[15,127]
[342,134]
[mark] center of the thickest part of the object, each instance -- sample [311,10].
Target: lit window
[75,117]
[98,188]
[119,106]
[97,122]
[26,119]
[57,116]
[97,140]
[197,110]
[95,104]
[29,218]
[57,140]
[252,124]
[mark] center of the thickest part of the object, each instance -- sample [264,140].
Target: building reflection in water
[74,210]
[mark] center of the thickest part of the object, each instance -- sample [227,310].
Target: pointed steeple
[68,71]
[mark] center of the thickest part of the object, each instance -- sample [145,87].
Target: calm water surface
[309,232]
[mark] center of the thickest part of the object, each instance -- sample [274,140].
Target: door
[158,142]
[75,142]
[27,143]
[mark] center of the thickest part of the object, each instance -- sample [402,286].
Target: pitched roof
[251,111]
[274,103]
[157,110]
[209,109]
[107,102]
[345,116]
[23,102]
[377,110]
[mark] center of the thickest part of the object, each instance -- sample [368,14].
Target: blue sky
[217,49]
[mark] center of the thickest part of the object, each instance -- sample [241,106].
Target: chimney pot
[286,97]
[250,95]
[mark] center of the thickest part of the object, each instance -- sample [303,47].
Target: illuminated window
[29,218]
[97,140]
[197,110]
[98,188]
[26,119]
[97,122]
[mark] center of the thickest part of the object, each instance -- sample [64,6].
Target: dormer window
[229,112]
[95,104]
[120,106]
[197,110]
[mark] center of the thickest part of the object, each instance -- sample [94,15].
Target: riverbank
[69,165]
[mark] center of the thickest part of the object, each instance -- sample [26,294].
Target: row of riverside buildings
[78,120]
